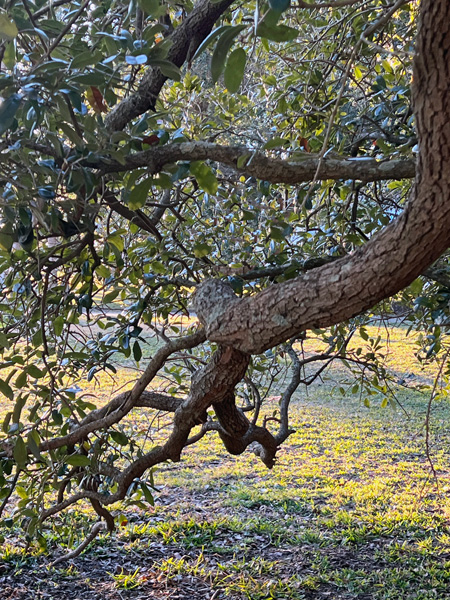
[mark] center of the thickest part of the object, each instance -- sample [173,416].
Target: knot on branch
[211,299]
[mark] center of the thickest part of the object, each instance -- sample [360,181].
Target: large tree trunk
[388,262]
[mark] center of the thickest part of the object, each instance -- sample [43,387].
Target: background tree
[258,157]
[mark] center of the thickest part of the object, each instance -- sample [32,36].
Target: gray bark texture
[298,169]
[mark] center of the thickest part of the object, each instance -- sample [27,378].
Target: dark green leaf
[234,71]
[221,50]
[147,494]
[279,6]
[139,194]
[137,352]
[205,177]
[8,109]
[20,453]
[208,40]
[276,33]
[6,390]
[167,68]
[119,437]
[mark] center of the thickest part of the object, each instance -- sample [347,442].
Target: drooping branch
[148,399]
[284,430]
[256,164]
[114,413]
[137,217]
[212,383]
[185,40]
[387,263]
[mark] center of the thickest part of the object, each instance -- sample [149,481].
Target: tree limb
[92,423]
[389,261]
[185,40]
[256,164]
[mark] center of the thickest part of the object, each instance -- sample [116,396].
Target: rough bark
[390,260]
[257,164]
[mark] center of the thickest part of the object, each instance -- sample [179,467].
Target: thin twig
[66,29]
[10,491]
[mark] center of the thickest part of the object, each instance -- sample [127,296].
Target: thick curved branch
[256,164]
[96,529]
[185,40]
[391,260]
[212,383]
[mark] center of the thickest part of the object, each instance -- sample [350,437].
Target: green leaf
[276,143]
[86,58]
[8,29]
[208,40]
[119,437]
[110,296]
[363,333]
[201,249]
[37,338]
[78,460]
[158,267]
[205,177]
[276,33]
[34,371]
[20,403]
[243,160]
[4,342]
[20,453]
[167,68]
[21,492]
[52,27]
[6,422]
[279,6]
[9,57]
[6,241]
[103,271]
[33,442]
[221,50]
[137,352]
[6,390]
[139,194]
[8,109]
[234,71]
[152,7]
[147,494]
[21,380]
[70,133]
[117,241]
[58,325]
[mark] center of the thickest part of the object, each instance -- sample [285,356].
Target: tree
[124,176]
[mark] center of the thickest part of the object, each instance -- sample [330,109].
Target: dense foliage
[131,172]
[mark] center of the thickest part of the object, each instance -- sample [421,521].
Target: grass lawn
[351,510]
